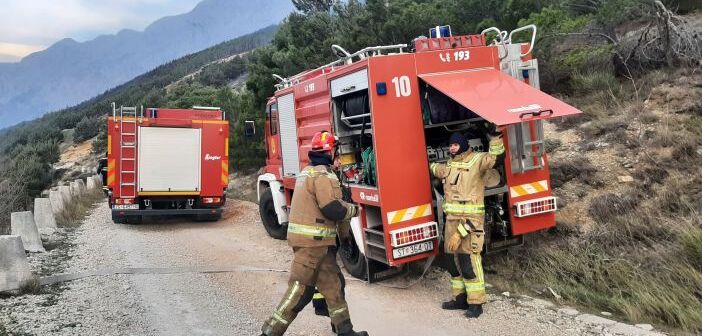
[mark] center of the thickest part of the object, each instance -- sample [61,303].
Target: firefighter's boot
[458,303]
[320,304]
[474,310]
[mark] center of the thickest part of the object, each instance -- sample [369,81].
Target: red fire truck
[393,111]
[167,162]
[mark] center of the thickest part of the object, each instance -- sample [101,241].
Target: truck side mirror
[249,128]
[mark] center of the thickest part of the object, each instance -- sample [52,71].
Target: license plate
[125,206]
[407,251]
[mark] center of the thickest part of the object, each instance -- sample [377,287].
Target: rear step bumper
[167,212]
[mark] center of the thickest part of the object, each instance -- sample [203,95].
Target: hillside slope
[629,234]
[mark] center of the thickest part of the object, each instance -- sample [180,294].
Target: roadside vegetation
[79,208]
[641,256]
[629,248]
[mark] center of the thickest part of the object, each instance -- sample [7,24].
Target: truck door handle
[348,88]
[536,113]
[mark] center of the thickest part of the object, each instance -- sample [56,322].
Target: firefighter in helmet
[464,235]
[316,210]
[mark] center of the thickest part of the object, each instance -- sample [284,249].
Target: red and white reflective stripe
[536,206]
[414,234]
[409,213]
[528,188]
[124,201]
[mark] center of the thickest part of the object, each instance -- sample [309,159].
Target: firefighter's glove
[351,211]
[461,232]
[496,132]
[454,242]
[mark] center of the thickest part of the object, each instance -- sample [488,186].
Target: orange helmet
[323,141]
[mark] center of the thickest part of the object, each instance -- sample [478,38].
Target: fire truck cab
[167,162]
[393,111]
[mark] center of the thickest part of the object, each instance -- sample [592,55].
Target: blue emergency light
[444,31]
[381,88]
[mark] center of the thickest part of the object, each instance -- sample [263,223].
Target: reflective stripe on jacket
[316,208]
[464,186]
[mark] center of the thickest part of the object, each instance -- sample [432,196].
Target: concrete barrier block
[66,195]
[75,192]
[44,216]
[81,186]
[56,201]
[14,266]
[92,183]
[22,224]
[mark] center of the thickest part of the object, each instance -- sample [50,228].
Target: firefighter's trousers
[311,266]
[469,279]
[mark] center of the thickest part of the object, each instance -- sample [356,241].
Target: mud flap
[378,272]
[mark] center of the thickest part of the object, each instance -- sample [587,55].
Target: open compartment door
[497,97]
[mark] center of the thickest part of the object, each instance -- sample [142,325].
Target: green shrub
[590,59]
[87,128]
[683,6]
[592,82]
[99,145]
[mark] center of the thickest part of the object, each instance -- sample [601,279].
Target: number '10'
[402,86]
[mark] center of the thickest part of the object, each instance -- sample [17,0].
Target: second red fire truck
[167,162]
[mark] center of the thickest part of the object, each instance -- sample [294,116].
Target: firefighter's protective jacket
[317,208]
[464,187]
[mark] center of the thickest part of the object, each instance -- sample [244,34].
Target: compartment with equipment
[438,108]
[353,126]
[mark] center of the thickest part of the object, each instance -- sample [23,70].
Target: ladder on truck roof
[127,150]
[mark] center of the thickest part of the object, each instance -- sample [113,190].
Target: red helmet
[323,141]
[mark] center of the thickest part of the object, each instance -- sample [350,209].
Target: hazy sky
[27,26]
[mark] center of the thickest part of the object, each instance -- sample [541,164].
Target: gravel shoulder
[234,303]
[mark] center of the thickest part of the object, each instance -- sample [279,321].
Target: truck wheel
[270,218]
[352,258]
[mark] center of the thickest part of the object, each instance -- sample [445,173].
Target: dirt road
[236,303]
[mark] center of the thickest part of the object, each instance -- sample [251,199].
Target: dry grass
[641,255]
[578,168]
[74,212]
[691,243]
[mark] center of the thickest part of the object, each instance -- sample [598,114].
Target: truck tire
[354,261]
[270,218]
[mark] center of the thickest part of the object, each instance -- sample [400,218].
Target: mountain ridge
[69,72]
